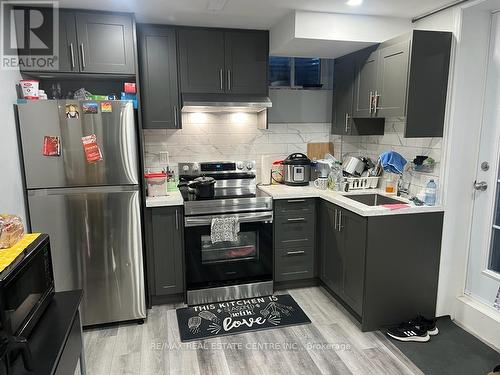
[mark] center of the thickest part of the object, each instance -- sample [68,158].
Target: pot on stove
[202,187]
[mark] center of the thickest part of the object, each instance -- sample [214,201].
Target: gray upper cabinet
[68,44]
[347,103]
[246,57]
[343,92]
[106,43]
[367,63]
[94,42]
[201,60]
[428,83]
[404,77]
[167,258]
[390,97]
[158,73]
[214,61]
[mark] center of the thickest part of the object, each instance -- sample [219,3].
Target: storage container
[157,184]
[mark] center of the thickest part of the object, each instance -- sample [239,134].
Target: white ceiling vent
[216,5]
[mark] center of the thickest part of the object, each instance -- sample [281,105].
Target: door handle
[480,186]
[175,116]
[82,52]
[221,77]
[72,53]
[340,221]
[297,252]
[228,80]
[377,97]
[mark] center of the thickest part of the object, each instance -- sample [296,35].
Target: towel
[392,162]
[224,229]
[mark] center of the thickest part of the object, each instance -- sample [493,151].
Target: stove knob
[196,167]
[239,165]
[185,168]
[249,165]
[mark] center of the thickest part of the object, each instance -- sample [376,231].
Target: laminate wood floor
[332,344]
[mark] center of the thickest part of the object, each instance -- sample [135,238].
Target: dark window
[294,71]
[279,71]
[307,72]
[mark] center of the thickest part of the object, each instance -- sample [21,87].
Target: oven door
[247,260]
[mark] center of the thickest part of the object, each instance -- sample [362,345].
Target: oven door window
[244,249]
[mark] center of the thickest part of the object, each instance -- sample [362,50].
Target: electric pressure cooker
[297,168]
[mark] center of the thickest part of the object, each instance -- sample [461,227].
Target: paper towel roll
[265,170]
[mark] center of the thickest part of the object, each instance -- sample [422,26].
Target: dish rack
[356,183]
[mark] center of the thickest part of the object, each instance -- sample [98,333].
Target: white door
[483,273]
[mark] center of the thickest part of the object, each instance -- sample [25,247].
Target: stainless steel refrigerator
[81,164]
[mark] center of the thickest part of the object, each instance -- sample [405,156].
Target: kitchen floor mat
[243,315]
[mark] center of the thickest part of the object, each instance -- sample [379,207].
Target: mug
[321,183]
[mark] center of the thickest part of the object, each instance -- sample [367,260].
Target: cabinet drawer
[295,230]
[294,206]
[294,263]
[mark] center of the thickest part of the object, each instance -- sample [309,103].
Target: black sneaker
[425,324]
[408,332]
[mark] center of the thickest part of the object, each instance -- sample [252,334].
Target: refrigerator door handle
[82,190]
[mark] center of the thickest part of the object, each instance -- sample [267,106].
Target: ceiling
[258,14]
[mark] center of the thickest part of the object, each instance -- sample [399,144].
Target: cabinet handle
[176,220]
[340,221]
[371,101]
[297,252]
[82,52]
[347,123]
[175,117]
[228,80]
[72,53]
[335,220]
[296,219]
[296,201]
[377,97]
[221,77]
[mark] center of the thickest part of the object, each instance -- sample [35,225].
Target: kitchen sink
[373,199]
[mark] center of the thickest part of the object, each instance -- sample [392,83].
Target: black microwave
[26,288]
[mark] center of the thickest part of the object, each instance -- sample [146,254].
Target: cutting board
[319,149]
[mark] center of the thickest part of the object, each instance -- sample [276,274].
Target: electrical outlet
[164,157]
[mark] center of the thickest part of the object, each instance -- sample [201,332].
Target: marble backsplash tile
[393,139]
[211,137]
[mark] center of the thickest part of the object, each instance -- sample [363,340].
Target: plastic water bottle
[430,193]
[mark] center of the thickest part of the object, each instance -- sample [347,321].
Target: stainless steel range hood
[225,103]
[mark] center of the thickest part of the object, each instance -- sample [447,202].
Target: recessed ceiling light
[354,3]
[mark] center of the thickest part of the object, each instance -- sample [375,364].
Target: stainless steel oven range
[229,270]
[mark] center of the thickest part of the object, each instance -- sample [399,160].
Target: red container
[129,87]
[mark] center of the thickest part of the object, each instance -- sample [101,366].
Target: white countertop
[340,199]
[174,198]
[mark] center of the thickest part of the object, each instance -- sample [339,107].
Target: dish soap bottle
[430,193]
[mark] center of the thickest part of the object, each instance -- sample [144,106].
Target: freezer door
[116,137]
[96,244]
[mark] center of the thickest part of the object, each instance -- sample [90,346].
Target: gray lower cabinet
[165,251]
[158,72]
[380,268]
[294,239]
[343,244]
[106,42]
